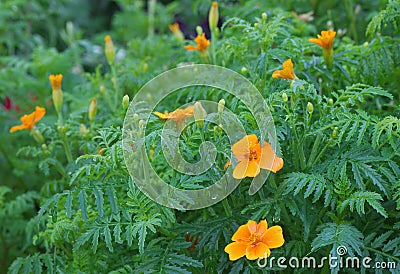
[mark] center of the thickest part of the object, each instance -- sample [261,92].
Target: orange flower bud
[57,93]
[213,16]
[110,50]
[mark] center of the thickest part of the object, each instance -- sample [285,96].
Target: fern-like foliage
[390,14]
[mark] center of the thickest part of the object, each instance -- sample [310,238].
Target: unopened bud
[109,49]
[125,102]
[151,153]
[44,147]
[330,101]
[213,16]
[136,117]
[199,113]
[145,67]
[199,30]
[365,45]
[57,93]
[264,16]
[141,126]
[256,25]
[218,128]
[92,109]
[102,89]
[310,107]
[70,28]
[357,9]
[284,97]
[221,105]
[83,130]
[149,97]
[335,132]
[243,70]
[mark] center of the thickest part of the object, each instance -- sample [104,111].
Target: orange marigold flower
[325,40]
[252,156]
[287,72]
[178,115]
[254,240]
[202,43]
[29,120]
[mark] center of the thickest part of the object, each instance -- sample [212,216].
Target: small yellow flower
[55,80]
[178,116]
[287,72]
[325,40]
[29,120]
[202,43]
[177,32]
[254,241]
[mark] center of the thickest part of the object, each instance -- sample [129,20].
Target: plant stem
[213,41]
[227,207]
[64,140]
[115,84]
[314,151]
[382,253]
[322,152]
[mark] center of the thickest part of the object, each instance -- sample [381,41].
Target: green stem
[382,253]
[314,151]
[322,151]
[300,151]
[227,207]
[151,13]
[213,41]
[61,169]
[64,140]
[115,85]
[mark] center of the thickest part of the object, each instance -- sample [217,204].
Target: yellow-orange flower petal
[202,43]
[260,250]
[246,169]
[236,250]
[325,40]
[242,234]
[269,159]
[55,81]
[178,115]
[287,72]
[29,120]
[273,237]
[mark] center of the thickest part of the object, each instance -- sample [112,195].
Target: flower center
[253,154]
[255,238]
